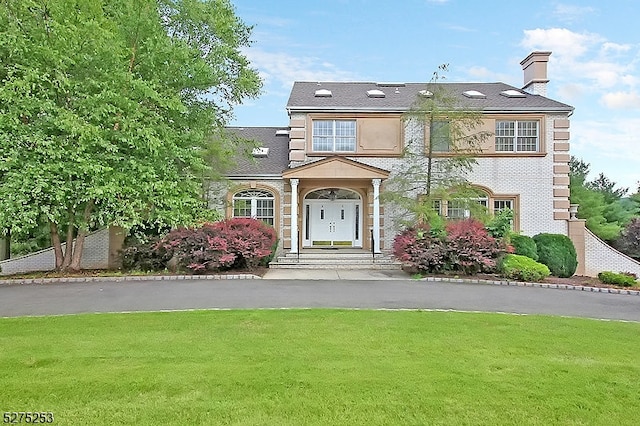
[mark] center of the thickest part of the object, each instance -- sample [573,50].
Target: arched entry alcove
[332,217]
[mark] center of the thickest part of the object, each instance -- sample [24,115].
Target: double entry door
[332,223]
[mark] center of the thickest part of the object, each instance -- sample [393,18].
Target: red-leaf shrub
[228,244]
[466,248]
[250,240]
[470,247]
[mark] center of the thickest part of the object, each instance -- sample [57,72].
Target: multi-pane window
[499,205]
[440,137]
[461,209]
[334,135]
[517,136]
[255,203]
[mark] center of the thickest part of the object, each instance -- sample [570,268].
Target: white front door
[332,223]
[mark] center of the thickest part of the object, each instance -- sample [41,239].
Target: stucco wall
[599,256]
[95,255]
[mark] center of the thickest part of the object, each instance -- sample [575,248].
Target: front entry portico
[332,218]
[335,203]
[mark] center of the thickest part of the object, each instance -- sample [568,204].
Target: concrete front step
[301,265]
[334,260]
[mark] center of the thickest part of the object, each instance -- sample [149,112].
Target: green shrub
[522,268]
[619,279]
[558,253]
[524,246]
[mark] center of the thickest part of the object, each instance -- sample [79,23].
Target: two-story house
[318,181]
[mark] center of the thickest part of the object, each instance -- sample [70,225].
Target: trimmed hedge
[524,246]
[522,268]
[620,279]
[558,253]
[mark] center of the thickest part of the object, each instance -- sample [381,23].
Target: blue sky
[594,65]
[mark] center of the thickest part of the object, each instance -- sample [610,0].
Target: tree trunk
[6,245]
[57,244]
[80,238]
[68,251]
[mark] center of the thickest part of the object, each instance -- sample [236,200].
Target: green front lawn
[321,367]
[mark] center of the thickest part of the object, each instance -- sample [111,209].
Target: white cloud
[615,47]
[571,13]
[581,61]
[282,69]
[611,147]
[622,100]
[477,73]
[562,42]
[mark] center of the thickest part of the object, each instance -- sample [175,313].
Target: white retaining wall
[95,255]
[599,257]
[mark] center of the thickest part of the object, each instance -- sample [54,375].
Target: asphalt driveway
[391,293]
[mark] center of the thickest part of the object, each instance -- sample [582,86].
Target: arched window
[255,203]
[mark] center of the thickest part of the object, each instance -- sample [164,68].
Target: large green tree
[443,135]
[107,108]
[600,202]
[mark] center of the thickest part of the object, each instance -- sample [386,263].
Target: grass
[321,367]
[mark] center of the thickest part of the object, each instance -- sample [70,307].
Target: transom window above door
[334,135]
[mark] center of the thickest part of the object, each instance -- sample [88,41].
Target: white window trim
[516,135]
[333,134]
[252,196]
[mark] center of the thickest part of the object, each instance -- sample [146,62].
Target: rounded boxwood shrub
[524,246]
[558,253]
[620,279]
[522,268]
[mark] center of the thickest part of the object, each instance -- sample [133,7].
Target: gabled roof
[336,167]
[276,160]
[400,97]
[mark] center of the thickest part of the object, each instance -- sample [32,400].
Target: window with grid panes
[334,135]
[440,136]
[255,203]
[517,136]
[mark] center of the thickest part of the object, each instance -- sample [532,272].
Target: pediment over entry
[336,168]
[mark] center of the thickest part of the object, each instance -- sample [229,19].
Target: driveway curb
[256,277]
[539,285]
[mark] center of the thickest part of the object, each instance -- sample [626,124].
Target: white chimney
[534,67]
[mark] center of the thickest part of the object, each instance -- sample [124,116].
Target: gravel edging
[130,278]
[539,285]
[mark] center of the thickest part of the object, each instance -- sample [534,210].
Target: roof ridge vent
[323,93]
[260,152]
[474,94]
[511,93]
[375,93]
[391,84]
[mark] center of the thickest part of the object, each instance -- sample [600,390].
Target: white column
[376,215]
[294,214]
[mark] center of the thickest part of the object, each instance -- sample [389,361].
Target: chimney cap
[534,67]
[536,56]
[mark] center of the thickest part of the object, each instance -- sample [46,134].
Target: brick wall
[599,256]
[95,256]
